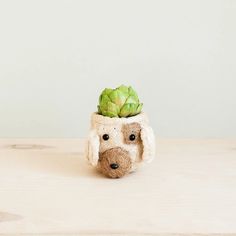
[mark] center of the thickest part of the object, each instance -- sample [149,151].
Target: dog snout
[114,162]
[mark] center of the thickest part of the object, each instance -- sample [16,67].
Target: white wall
[57,56]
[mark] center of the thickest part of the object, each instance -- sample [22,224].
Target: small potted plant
[120,138]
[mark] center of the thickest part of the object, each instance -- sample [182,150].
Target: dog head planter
[117,146]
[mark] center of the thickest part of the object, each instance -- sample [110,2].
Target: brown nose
[114,162]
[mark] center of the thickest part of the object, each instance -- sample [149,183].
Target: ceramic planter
[117,146]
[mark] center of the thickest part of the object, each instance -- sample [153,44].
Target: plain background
[57,56]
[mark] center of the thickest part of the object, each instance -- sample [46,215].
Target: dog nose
[114,166]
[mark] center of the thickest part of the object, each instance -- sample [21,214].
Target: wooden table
[47,187]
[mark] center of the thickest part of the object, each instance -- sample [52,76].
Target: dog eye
[132,137]
[105,137]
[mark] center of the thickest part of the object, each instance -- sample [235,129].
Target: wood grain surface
[47,188]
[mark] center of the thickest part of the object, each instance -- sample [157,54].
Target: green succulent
[120,102]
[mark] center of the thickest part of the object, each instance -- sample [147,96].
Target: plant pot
[117,146]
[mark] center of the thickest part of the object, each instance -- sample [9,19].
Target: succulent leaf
[139,108]
[120,102]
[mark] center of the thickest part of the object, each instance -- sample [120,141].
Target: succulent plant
[120,102]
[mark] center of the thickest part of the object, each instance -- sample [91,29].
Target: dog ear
[148,140]
[92,149]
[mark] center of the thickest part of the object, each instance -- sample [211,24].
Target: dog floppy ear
[148,140]
[93,147]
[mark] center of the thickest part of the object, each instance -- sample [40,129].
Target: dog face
[117,145]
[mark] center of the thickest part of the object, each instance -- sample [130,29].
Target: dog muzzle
[114,162]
